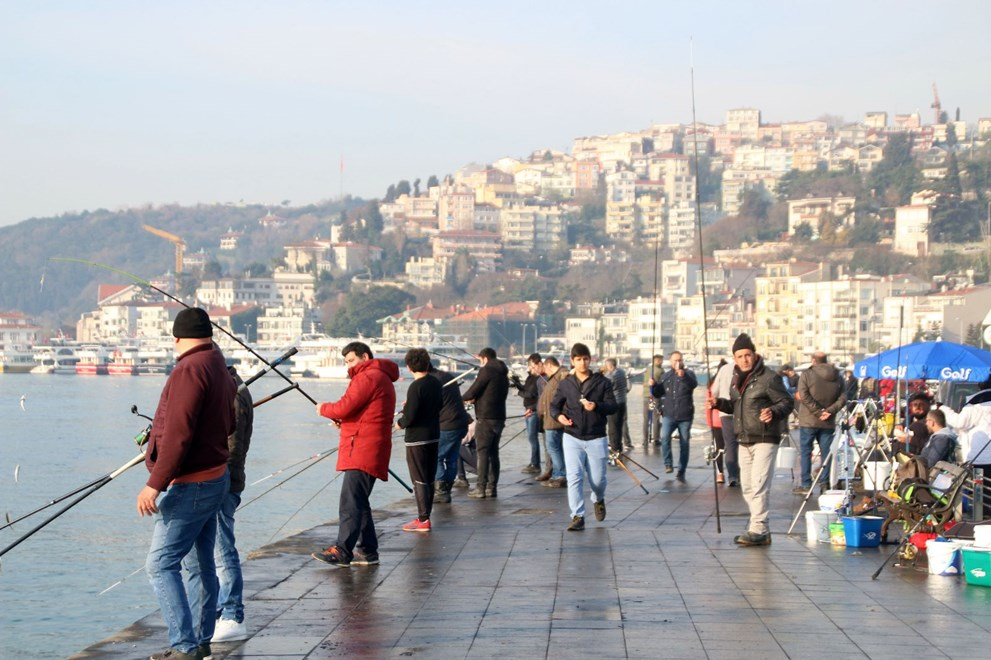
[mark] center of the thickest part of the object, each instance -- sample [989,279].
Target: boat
[54,360]
[93,360]
[123,362]
[154,361]
[320,356]
[16,360]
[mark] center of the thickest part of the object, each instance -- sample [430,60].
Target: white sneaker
[229,630]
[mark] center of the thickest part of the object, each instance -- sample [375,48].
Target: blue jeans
[533,435]
[447,453]
[230,604]
[684,427]
[585,457]
[806,436]
[554,439]
[187,521]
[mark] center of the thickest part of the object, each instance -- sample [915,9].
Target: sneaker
[543,477]
[477,493]
[417,525]
[668,469]
[751,539]
[460,483]
[577,524]
[600,510]
[733,483]
[531,469]
[332,555]
[204,652]
[720,478]
[176,654]
[801,490]
[680,476]
[364,558]
[558,482]
[229,630]
[491,491]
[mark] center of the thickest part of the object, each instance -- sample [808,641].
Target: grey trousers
[756,475]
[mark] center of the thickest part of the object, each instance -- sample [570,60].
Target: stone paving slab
[502,577]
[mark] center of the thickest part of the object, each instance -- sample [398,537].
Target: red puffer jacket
[366,412]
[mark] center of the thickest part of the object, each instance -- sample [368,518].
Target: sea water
[69,430]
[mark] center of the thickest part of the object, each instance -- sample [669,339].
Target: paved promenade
[502,578]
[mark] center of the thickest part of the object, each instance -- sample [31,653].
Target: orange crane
[937,106]
[180,245]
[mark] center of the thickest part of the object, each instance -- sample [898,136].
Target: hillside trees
[361,308]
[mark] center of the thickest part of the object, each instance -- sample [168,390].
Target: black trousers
[422,463]
[614,427]
[356,525]
[487,435]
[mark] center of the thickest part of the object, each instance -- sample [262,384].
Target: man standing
[721,390]
[553,429]
[187,459]
[488,393]
[620,386]
[674,391]
[364,416]
[581,404]
[421,420]
[760,405]
[454,421]
[821,395]
[651,407]
[530,394]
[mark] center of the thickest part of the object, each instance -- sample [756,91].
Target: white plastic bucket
[832,500]
[786,458]
[944,557]
[817,525]
[875,474]
[982,536]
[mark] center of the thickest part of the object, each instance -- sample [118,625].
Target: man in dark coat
[488,393]
[821,396]
[674,391]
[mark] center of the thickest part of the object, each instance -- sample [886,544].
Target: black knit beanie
[192,323]
[743,341]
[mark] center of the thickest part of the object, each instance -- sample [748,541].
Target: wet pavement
[656,579]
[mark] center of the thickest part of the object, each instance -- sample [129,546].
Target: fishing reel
[141,439]
[710,453]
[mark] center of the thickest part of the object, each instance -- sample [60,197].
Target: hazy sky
[114,104]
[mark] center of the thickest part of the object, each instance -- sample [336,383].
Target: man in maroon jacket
[364,415]
[187,458]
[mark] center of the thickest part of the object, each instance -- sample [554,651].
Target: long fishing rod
[11,523]
[97,486]
[617,458]
[705,318]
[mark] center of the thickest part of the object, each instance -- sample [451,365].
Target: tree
[461,271]
[403,188]
[374,217]
[803,233]
[416,187]
[432,181]
[361,310]
[390,194]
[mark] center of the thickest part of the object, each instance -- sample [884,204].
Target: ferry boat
[320,356]
[16,360]
[123,362]
[154,361]
[54,360]
[93,361]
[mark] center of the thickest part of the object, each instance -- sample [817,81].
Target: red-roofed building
[500,326]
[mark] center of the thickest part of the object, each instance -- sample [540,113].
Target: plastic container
[944,557]
[862,531]
[786,458]
[977,566]
[817,525]
[982,536]
[875,474]
[837,533]
[832,500]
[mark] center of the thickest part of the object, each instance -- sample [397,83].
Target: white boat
[16,360]
[54,360]
[320,356]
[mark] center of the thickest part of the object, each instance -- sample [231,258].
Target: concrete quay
[655,579]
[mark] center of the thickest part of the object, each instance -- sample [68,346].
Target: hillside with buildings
[845,238]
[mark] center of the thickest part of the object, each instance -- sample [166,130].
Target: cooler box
[944,557]
[977,566]
[817,525]
[862,531]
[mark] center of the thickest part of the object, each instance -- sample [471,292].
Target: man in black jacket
[581,404]
[488,393]
[760,405]
[454,421]
[530,394]
[674,391]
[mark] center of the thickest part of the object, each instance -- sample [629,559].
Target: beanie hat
[192,323]
[743,341]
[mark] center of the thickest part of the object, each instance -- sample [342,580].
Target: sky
[115,104]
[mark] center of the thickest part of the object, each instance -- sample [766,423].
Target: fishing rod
[618,460]
[100,483]
[705,318]
[639,465]
[316,459]
[438,354]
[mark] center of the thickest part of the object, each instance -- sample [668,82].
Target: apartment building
[839,316]
[810,211]
[778,325]
[912,229]
[484,247]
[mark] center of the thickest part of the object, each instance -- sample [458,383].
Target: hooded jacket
[489,391]
[749,394]
[365,413]
[588,425]
[820,388]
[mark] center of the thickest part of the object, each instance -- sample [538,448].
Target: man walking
[821,395]
[553,429]
[674,391]
[760,405]
[620,386]
[488,393]
[530,394]
[364,416]
[187,457]
[580,405]
[651,407]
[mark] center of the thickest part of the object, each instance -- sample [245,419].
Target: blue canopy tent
[929,360]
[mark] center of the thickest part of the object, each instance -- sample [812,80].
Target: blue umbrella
[931,360]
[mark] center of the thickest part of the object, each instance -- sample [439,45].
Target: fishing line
[293,475]
[303,507]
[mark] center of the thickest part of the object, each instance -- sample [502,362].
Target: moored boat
[16,360]
[93,361]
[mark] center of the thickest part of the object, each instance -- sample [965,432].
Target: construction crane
[937,106]
[180,245]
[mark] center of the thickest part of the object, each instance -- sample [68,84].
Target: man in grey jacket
[821,395]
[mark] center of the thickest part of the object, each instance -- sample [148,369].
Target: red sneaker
[417,526]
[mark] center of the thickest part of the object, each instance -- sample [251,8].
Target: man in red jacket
[364,415]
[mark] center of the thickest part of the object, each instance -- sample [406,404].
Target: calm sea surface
[74,429]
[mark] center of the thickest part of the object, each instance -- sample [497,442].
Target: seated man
[942,442]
